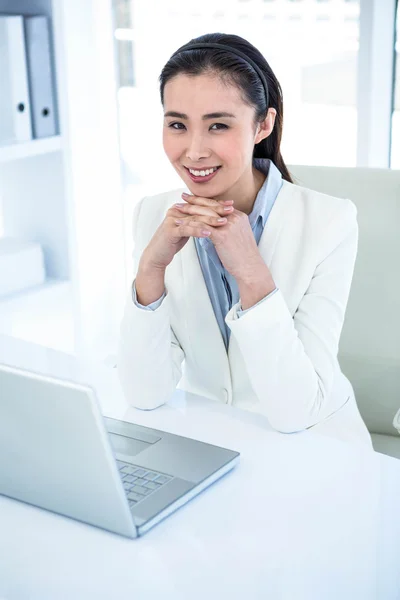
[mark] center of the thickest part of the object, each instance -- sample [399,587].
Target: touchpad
[127,445]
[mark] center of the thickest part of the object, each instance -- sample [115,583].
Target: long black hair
[233,69]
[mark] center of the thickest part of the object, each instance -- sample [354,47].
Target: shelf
[20,150]
[42,314]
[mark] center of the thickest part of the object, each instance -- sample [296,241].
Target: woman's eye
[220,125]
[180,126]
[172,125]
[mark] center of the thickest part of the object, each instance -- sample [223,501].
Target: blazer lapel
[273,226]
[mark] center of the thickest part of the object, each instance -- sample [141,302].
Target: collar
[273,178]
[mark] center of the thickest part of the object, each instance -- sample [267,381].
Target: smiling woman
[224,138]
[229,137]
[239,294]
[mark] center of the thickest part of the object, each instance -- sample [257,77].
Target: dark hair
[233,69]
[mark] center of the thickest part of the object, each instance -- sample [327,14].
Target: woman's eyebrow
[214,115]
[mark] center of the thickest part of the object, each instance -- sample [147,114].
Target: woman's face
[206,126]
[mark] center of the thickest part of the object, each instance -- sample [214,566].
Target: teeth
[202,173]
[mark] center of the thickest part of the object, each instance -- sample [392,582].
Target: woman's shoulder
[319,203]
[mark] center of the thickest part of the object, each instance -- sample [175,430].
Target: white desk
[302,517]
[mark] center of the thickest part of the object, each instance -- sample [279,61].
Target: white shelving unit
[42,315]
[32,148]
[65,191]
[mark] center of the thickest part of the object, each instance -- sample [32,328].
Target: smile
[202,176]
[203,172]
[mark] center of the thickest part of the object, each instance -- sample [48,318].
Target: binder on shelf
[37,43]
[15,110]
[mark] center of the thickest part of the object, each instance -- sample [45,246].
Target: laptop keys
[141,490]
[150,475]
[127,470]
[162,479]
[129,478]
[135,497]
[140,472]
[139,483]
[151,485]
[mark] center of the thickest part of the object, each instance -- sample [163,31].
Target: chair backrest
[369,351]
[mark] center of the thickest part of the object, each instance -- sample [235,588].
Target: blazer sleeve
[149,356]
[292,361]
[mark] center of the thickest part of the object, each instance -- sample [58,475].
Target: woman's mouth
[203,175]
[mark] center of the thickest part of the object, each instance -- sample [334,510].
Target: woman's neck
[245,191]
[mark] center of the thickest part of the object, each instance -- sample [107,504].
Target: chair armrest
[396,421]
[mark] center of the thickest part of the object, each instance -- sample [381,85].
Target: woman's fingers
[209,221]
[190,228]
[213,218]
[220,206]
[210,202]
[204,211]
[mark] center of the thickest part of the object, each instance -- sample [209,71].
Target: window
[315,60]
[395,150]
[124,43]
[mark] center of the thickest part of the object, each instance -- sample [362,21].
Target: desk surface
[302,517]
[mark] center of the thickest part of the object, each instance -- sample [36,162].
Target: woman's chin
[202,190]
[207,190]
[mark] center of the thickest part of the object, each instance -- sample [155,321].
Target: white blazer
[282,356]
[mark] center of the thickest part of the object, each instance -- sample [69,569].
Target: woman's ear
[266,127]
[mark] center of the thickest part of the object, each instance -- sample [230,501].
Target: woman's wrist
[149,283]
[255,286]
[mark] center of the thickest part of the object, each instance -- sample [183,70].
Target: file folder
[15,112]
[41,88]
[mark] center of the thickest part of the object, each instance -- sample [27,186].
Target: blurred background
[66,199]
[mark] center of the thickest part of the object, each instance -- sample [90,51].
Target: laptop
[59,453]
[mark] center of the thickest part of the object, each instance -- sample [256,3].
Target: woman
[240,291]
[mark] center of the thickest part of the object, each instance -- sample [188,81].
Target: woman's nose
[196,149]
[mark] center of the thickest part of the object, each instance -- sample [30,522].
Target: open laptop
[58,452]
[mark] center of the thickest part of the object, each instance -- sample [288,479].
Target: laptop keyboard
[140,483]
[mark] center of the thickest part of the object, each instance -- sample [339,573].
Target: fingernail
[228,208]
[204,232]
[184,195]
[178,221]
[228,201]
[180,204]
[222,220]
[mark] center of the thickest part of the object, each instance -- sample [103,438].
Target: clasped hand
[232,237]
